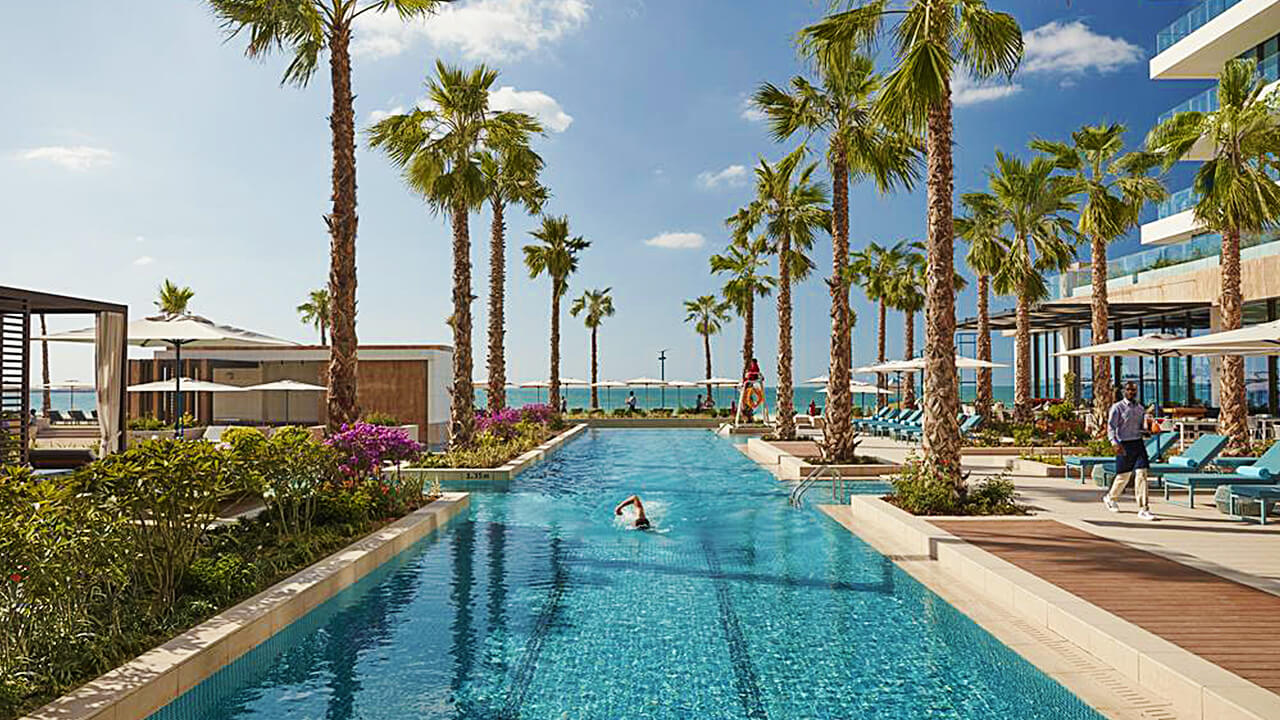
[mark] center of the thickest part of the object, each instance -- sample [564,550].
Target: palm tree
[929,40]
[173,300]
[983,229]
[1237,197]
[46,395]
[598,305]
[315,312]
[859,145]
[792,207]
[708,313]
[557,257]
[1116,188]
[906,295]
[511,177]
[438,150]
[305,28]
[875,269]
[1033,202]
[744,261]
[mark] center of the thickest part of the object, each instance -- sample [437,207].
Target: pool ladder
[802,487]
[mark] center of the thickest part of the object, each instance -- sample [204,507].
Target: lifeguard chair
[751,396]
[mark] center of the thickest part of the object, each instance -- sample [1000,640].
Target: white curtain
[108,350]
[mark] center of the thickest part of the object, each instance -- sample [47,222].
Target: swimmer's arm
[633,500]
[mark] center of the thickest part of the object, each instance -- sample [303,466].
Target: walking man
[1125,424]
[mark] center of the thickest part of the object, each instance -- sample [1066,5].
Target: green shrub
[294,467]
[344,506]
[222,579]
[1060,412]
[169,490]
[146,422]
[383,419]
[921,491]
[621,412]
[1023,435]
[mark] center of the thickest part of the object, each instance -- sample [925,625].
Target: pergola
[16,308]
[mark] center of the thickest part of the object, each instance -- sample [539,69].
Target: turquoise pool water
[542,604]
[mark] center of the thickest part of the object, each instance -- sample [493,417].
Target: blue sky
[142,145]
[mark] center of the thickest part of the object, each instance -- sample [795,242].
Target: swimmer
[642,522]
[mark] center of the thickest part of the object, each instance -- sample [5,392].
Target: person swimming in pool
[642,522]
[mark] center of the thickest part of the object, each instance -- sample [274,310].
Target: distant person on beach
[631,401]
[813,409]
[698,405]
[753,371]
[642,522]
[564,405]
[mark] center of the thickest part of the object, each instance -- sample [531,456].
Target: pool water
[543,604]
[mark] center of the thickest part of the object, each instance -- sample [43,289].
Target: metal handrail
[797,493]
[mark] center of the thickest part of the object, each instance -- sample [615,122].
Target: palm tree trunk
[1234,418]
[496,395]
[553,394]
[748,334]
[595,376]
[941,431]
[786,403]
[1022,362]
[462,420]
[323,338]
[984,398]
[1103,395]
[909,349]
[46,396]
[706,347]
[880,377]
[839,411]
[342,399]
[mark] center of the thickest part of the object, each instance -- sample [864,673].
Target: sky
[144,145]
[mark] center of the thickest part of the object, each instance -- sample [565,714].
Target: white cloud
[378,116]
[965,90]
[677,240]
[1074,48]
[144,260]
[732,176]
[478,29]
[538,104]
[749,112]
[79,157]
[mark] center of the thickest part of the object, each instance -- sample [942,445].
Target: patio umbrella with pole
[571,382]
[680,385]
[177,331]
[1154,345]
[608,386]
[288,387]
[719,382]
[1263,339]
[539,384]
[646,383]
[71,386]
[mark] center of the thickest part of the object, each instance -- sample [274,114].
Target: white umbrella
[1263,339]
[647,382]
[574,382]
[608,386]
[1154,345]
[720,381]
[286,387]
[188,385]
[679,385]
[71,386]
[539,385]
[820,380]
[177,331]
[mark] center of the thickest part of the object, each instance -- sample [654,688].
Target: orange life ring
[752,397]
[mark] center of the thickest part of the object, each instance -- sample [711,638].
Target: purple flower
[362,448]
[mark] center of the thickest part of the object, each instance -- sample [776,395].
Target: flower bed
[500,438]
[921,490]
[109,562]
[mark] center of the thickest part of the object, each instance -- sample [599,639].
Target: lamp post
[662,374]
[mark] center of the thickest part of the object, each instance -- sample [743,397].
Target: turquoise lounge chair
[1264,494]
[912,417]
[879,415]
[968,424]
[888,418]
[1198,455]
[1157,446]
[1266,471]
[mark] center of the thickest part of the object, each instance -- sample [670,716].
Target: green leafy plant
[1060,412]
[383,419]
[921,490]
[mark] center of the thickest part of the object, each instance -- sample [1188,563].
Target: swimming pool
[544,605]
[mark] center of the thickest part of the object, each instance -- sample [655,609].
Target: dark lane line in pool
[547,617]
[882,587]
[744,674]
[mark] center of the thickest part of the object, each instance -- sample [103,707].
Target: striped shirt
[1125,421]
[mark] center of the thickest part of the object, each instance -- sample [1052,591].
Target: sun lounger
[78,416]
[1266,471]
[1157,446]
[911,420]
[968,424]
[1196,457]
[56,417]
[880,414]
[1263,494]
[889,420]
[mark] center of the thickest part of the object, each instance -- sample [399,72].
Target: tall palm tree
[315,312]
[930,38]
[438,150]
[1237,197]
[173,300]
[906,295]
[708,314]
[511,177]
[1116,188]
[982,227]
[792,207]
[745,262]
[598,305]
[305,29]
[557,257]
[1034,203]
[875,269]
[46,394]
[859,145]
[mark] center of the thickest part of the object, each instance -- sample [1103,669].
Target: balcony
[1178,202]
[1171,260]
[1200,42]
[1207,101]
[1174,221]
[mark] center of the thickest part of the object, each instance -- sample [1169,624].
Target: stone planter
[453,478]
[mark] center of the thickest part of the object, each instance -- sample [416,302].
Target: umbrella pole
[177,389]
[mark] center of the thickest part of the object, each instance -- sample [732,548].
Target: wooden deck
[1229,624]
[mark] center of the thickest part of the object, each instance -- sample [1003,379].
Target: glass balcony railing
[1207,101]
[1192,21]
[1181,201]
[1197,248]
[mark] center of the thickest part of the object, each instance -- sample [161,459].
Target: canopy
[1263,339]
[1152,345]
[188,385]
[286,386]
[187,330]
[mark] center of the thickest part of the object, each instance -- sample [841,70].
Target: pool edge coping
[785,465]
[138,688]
[1196,687]
[502,473]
